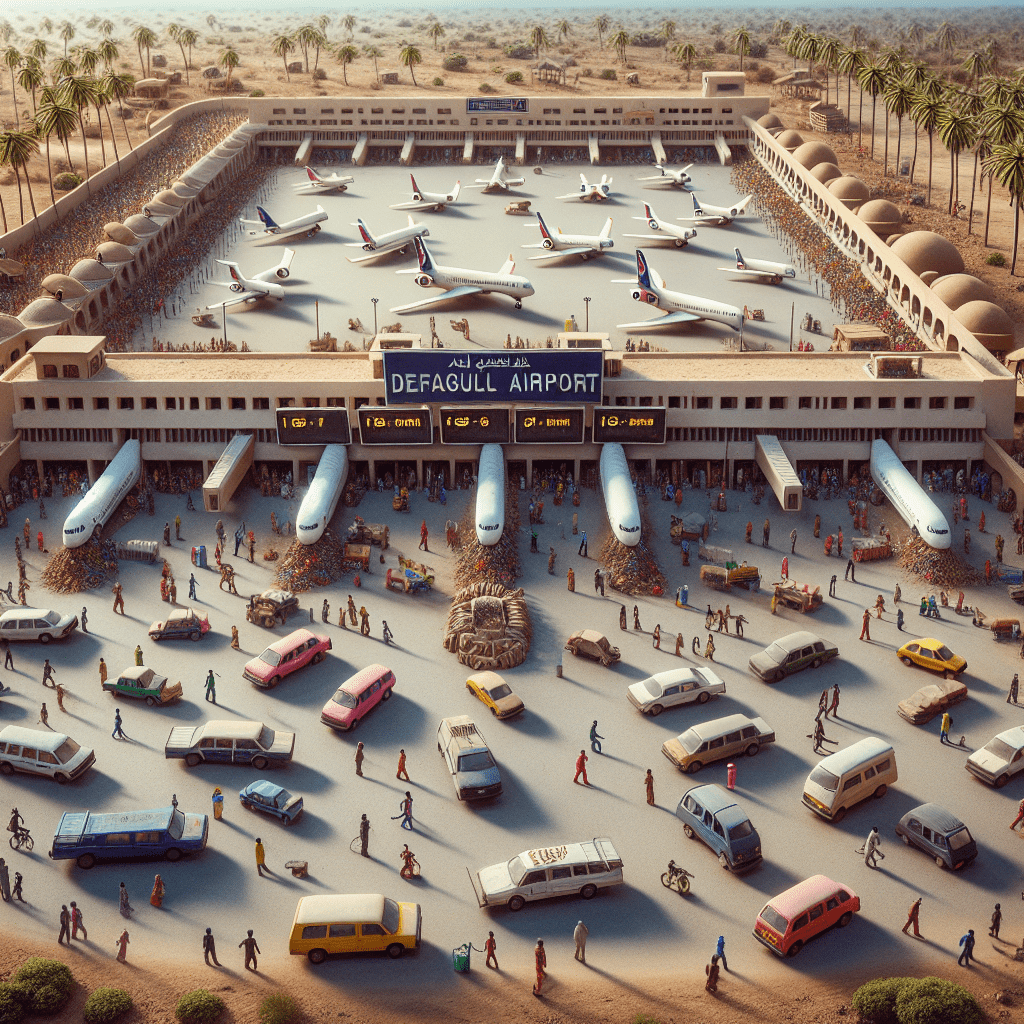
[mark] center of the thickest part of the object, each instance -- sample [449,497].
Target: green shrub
[105,1005]
[257,92]
[520,50]
[936,1001]
[319,75]
[645,1018]
[42,986]
[10,1009]
[875,1000]
[487,87]
[199,1007]
[514,76]
[588,72]
[438,82]
[995,259]
[66,181]
[279,1009]
[455,62]
[608,74]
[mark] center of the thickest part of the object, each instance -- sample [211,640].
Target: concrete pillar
[95,470]
[846,470]
[40,472]
[296,470]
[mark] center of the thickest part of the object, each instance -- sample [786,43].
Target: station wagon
[943,836]
[808,908]
[790,654]
[295,651]
[230,742]
[354,924]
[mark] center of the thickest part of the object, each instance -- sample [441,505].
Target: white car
[1000,758]
[42,624]
[678,686]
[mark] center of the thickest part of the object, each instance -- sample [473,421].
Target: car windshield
[652,686]
[774,919]
[282,798]
[479,761]
[499,691]
[944,653]
[516,870]
[776,652]
[345,699]
[391,917]
[1002,750]
[741,831]
[690,741]
[52,618]
[960,839]
[177,825]
[67,750]
[824,778]
[271,657]
[266,738]
[146,679]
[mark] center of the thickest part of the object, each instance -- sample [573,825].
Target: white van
[43,753]
[848,776]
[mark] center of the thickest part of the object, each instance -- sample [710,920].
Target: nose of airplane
[528,288]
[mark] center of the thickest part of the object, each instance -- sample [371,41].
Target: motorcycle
[677,878]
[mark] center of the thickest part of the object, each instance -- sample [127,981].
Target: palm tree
[188,37]
[849,61]
[88,59]
[810,46]
[977,63]
[349,22]
[344,55]
[871,79]
[898,98]
[958,131]
[211,21]
[37,50]
[619,42]
[564,29]
[741,43]
[538,38]
[373,52]
[999,125]
[106,27]
[323,22]
[76,92]
[109,52]
[601,23]
[435,32]
[118,87]
[30,78]
[925,115]
[973,105]
[410,57]
[304,36]
[318,41]
[1006,163]
[781,28]
[282,46]
[828,55]
[947,36]
[794,41]
[229,59]
[102,100]
[46,26]
[12,59]
[66,31]
[668,33]
[686,53]
[144,39]
[61,68]
[16,149]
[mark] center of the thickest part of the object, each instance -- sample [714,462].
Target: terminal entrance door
[547,473]
[434,470]
[516,469]
[465,472]
[589,473]
[359,473]
[60,479]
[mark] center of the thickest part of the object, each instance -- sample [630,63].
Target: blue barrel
[682,596]
[199,556]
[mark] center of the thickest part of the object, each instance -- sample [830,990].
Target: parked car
[716,740]
[711,814]
[468,759]
[588,643]
[143,684]
[369,923]
[234,741]
[677,686]
[791,654]
[357,696]
[940,834]
[271,799]
[180,624]
[280,659]
[42,624]
[932,654]
[806,909]
[495,693]
[36,752]
[1000,758]
[931,700]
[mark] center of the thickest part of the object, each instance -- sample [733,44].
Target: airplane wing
[452,293]
[679,317]
[421,205]
[663,236]
[236,300]
[579,194]
[576,250]
[757,275]
[383,250]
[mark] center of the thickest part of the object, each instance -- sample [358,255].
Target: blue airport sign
[418,377]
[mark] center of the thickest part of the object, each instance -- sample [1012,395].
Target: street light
[374,301]
[586,299]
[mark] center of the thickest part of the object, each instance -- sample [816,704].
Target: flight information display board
[497,105]
[549,426]
[381,425]
[313,426]
[639,425]
[460,425]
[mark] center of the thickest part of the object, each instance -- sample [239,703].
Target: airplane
[266,231]
[670,177]
[459,282]
[679,308]
[497,182]
[429,200]
[591,191]
[261,286]
[761,270]
[397,239]
[680,237]
[716,215]
[317,183]
[583,246]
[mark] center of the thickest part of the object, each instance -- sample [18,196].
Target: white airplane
[716,215]
[317,183]
[591,191]
[381,244]
[266,231]
[670,177]
[459,282]
[558,244]
[761,270]
[497,182]
[679,237]
[429,200]
[262,286]
[679,308]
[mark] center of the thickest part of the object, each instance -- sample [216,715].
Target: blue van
[710,813]
[125,835]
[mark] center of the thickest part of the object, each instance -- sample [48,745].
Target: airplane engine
[426,232]
[547,244]
[417,198]
[423,280]
[653,225]
[641,295]
[368,247]
[283,272]
[449,199]
[234,287]
[735,211]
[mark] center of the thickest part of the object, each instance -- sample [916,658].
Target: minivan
[713,741]
[43,753]
[806,909]
[353,924]
[357,696]
[867,768]
[711,814]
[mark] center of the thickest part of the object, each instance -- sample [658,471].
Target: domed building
[46,311]
[956,289]
[826,172]
[69,287]
[141,225]
[883,217]
[811,153]
[849,190]
[90,271]
[991,325]
[790,140]
[771,122]
[119,233]
[927,252]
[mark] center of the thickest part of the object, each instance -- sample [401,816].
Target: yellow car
[490,688]
[933,654]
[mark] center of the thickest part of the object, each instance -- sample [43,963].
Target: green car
[144,684]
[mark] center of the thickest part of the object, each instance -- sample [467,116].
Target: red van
[805,910]
[357,695]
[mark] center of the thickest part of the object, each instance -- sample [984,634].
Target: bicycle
[21,838]
[676,878]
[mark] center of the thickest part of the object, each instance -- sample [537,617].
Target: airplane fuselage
[455,277]
[679,302]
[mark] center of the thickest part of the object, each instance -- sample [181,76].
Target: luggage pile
[304,566]
[498,563]
[73,570]
[632,570]
[939,568]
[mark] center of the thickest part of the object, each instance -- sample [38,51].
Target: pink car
[357,695]
[282,658]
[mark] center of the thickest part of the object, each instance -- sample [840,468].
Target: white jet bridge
[779,472]
[228,473]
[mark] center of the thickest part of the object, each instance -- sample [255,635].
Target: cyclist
[16,821]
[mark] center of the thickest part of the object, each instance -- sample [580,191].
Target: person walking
[720,952]
[386,633]
[552,556]
[709,649]
[489,948]
[1011,697]
[402,773]
[138,655]
[405,811]
[210,948]
[192,584]
[364,624]
[218,803]
[822,704]
[61,693]
[765,533]
[65,926]
[598,582]
[579,936]
[851,573]
[540,961]
[570,581]
[48,673]
[997,917]
[118,733]
[871,848]
[581,768]
[1019,818]
[897,594]
[261,858]
[251,949]
[967,949]
[8,657]
[839,544]
[899,619]
[44,715]
[595,738]
[819,736]
[832,586]
[234,638]
[351,610]
[122,946]
[792,539]
[947,721]
[636,619]
[84,618]
[622,616]
[156,897]
[239,536]
[912,917]
[167,534]
[177,527]
[712,972]
[865,628]
[740,619]
[649,784]
[583,545]
[16,891]
[681,643]
[879,606]
[76,923]
[750,530]
[211,687]
[118,598]
[408,858]
[359,758]
[123,903]
[103,671]
[424,534]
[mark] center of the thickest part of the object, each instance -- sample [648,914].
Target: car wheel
[752,750]
[45,638]
[703,698]
[907,660]
[816,663]
[356,721]
[395,950]
[940,862]
[688,832]
[655,710]
[61,779]
[948,674]
[6,768]
[795,948]
[494,712]
[86,861]
[694,767]
[905,838]
[723,861]
[259,762]
[574,652]
[173,854]
[317,956]
[589,891]
[151,701]
[777,678]
[1002,780]
[191,760]
[845,919]
[386,695]
[274,680]
[516,903]
[881,791]
[318,657]
[194,635]
[839,815]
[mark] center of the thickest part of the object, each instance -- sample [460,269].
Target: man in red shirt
[581,769]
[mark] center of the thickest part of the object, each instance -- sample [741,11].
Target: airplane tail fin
[423,254]
[696,205]
[642,274]
[456,190]
[312,175]
[265,218]
[234,271]
[412,221]
[364,232]
[649,213]
[606,230]
[509,266]
[544,233]
[740,265]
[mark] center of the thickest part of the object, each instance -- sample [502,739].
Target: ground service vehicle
[468,759]
[368,923]
[792,918]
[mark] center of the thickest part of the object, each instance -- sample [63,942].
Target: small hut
[549,70]
[152,88]
[798,85]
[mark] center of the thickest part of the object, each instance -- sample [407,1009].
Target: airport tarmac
[476,234]
[638,929]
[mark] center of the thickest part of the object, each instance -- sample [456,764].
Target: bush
[319,75]
[520,50]
[455,62]
[608,74]
[42,986]
[470,37]
[10,1009]
[759,50]
[66,181]
[936,1001]
[646,39]
[487,87]
[720,45]
[765,75]
[995,259]
[514,76]
[588,72]
[279,1009]
[105,1005]
[438,82]
[875,1001]
[199,1007]
[256,93]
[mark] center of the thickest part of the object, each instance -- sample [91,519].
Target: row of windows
[373,110]
[946,435]
[803,402]
[96,435]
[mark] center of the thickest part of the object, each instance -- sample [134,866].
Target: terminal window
[69,370]
[702,402]
[673,401]
[170,403]
[261,403]
[98,403]
[51,403]
[212,404]
[75,403]
[285,403]
[729,403]
[962,402]
[804,402]
[911,403]
[193,403]
[839,403]
[238,403]
[887,402]
[862,403]
[777,402]
[148,403]
[311,403]
[646,400]
[936,403]
[752,403]
[49,370]
[126,403]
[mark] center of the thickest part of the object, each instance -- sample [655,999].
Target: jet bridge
[305,149]
[660,157]
[779,472]
[228,473]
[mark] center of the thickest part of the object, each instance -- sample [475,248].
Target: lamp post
[586,299]
[374,301]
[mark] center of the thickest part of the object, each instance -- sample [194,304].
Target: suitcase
[199,556]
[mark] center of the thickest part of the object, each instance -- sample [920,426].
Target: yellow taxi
[368,923]
[495,693]
[933,654]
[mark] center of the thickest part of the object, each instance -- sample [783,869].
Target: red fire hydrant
[731,770]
